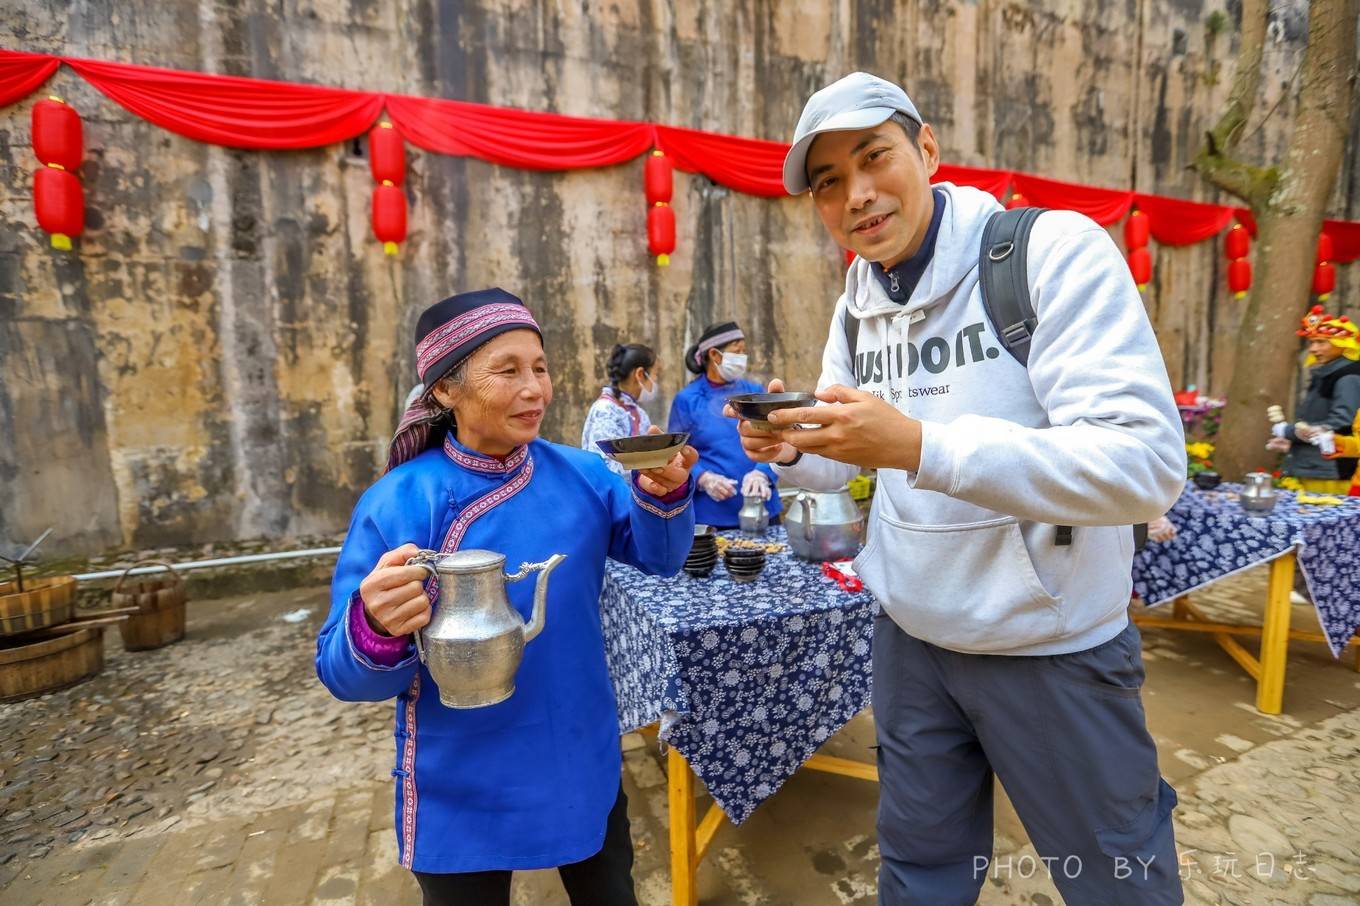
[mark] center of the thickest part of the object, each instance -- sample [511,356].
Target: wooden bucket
[42,603]
[160,605]
[39,667]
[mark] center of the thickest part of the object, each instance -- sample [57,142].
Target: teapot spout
[540,614]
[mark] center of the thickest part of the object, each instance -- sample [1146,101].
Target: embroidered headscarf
[447,333]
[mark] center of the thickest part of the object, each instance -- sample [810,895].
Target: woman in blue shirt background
[719,360]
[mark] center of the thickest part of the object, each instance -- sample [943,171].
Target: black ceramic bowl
[643,451]
[756,407]
[1207,481]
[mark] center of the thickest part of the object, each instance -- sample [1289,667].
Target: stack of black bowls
[703,555]
[744,563]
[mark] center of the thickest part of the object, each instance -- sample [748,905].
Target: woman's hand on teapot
[673,475]
[394,596]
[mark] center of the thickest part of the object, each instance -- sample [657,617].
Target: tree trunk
[1288,206]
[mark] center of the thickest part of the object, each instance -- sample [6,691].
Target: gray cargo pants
[1067,738]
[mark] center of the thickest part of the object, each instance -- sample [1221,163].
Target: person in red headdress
[1328,408]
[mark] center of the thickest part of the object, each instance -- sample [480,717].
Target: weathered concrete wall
[225,355]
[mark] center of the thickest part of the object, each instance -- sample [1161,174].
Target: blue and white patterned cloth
[1216,538]
[748,680]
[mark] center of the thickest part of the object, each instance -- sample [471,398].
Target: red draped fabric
[22,73]
[1345,239]
[255,113]
[233,111]
[1104,206]
[516,138]
[749,165]
[1177,222]
[995,182]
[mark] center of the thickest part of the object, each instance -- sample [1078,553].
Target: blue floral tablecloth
[1217,538]
[748,680]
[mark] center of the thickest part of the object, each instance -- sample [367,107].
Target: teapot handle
[806,502]
[539,618]
[424,560]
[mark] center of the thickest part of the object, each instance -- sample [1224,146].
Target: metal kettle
[475,640]
[753,518]
[1258,493]
[825,525]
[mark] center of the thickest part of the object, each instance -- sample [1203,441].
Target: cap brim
[795,162]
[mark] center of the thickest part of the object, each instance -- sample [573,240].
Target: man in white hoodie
[1000,541]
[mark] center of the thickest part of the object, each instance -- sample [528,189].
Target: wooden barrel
[43,602]
[39,667]
[160,602]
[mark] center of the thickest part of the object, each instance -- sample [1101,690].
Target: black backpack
[1005,295]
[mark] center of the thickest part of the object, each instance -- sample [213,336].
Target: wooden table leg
[1275,636]
[684,856]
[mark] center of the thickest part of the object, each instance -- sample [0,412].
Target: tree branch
[1214,161]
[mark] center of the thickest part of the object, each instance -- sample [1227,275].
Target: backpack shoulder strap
[851,325]
[1005,280]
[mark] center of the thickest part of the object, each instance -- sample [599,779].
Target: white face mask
[732,365]
[647,394]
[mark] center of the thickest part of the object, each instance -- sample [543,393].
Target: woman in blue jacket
[533,781]
[719,360]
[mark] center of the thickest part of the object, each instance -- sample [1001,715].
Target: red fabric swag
[233,111]
[516,138]
[1104,206]
[749,165]
[1345,239]
[1177,222]
[994,182]
[22,73]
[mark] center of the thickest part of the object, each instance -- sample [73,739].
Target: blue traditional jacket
[698,409]
[529,782]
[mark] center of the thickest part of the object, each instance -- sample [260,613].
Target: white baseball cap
[858,101]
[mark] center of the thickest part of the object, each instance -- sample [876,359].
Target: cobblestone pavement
[219,771]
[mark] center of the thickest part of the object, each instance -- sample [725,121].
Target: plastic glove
[1278,445]
[1278,429]
[756,484]
[1161,530]
[718,487]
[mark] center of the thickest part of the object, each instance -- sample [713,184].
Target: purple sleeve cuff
[386,651]
[677,495]
[668,507]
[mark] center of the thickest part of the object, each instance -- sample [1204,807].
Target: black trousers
[605,879]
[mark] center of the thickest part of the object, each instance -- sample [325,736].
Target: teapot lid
[469,561]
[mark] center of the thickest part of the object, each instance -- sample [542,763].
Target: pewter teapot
[753,518]
[475,640]
[825,526]
[1258,494]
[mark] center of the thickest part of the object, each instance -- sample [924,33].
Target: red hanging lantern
[57,136]
[1324,249]
[661,233]
[60,205]
[386,154]
[59,143]
[389,216]
[1017,201]
[1324,280]
[1140,265]
[658,179]
[1239,276]
[1237,243]
[1137,230]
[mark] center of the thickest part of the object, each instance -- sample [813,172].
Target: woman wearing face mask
[726,474]
[633,373]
